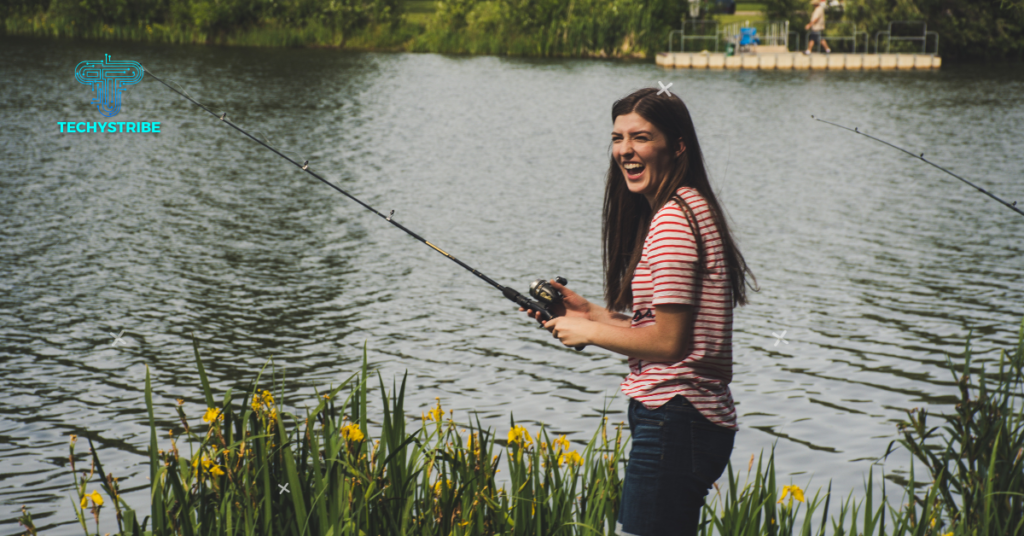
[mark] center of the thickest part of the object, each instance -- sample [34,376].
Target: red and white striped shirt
[666,275]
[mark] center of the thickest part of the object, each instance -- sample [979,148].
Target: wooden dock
[799,61]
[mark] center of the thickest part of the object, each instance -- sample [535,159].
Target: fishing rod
[855,130]
[545,293]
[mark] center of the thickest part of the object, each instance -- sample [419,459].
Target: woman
[670,259]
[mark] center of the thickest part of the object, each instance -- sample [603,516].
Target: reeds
[253,468]
[975,457]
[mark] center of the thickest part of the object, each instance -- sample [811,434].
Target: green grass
[750,7]
[420,6]
[345,475]
[729,19]
[419,12]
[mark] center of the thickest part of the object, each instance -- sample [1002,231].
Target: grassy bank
[266,34]
[600,28]
[253,468]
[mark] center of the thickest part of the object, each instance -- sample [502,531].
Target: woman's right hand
[572,304]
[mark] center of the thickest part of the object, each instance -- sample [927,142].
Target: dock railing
[778,33]
[769,33]
[923,37]
[698,30]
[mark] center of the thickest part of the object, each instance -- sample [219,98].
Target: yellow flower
[212,414]
[796,492]
[436,414]
[437,486]
[208,464]
[948,534]
[561,443]
[571,457]
[268,398]
[97,499]
[255,403]
[518,434]
[351,432]
[473,444]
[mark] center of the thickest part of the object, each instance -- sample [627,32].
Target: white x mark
[284,489]
[118,339]
[664,88]
[780,338]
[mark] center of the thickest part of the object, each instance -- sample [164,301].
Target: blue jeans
[677,455]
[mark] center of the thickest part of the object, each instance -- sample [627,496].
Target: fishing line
[855,130]
[540,289]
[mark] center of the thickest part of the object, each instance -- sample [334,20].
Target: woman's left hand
[570,330]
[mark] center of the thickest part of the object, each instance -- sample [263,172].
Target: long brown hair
[627,216]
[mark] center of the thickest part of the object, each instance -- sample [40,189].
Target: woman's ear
[681,149]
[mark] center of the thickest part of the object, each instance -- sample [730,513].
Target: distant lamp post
[694,9]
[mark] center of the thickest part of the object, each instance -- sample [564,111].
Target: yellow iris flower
[518,434]
[435,414]
[473,444]
[571,457]
[795,491]
[212,414]
[97,499]
[437,486]
[351,432]
[208,464]
[561,443]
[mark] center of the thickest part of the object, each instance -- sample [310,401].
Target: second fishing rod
[547,298]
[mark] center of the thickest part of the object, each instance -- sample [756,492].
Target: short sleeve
[671,252]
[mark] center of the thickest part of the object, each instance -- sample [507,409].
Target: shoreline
[405,37]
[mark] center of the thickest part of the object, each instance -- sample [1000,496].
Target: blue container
[748,36]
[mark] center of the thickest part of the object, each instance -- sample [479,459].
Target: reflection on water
[875,265]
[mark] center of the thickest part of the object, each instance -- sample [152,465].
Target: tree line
[969,29]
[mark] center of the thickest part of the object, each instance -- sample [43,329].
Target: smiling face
[642,153]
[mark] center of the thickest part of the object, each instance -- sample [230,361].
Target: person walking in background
[817,27]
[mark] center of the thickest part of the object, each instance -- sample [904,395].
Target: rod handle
[530,305]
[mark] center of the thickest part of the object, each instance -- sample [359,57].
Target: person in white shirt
[817,27]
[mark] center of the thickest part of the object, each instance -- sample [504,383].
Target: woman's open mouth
[633,169]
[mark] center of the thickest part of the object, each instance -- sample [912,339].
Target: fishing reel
[546,297]
[545,293]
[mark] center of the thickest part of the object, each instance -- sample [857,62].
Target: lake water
[874,264]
